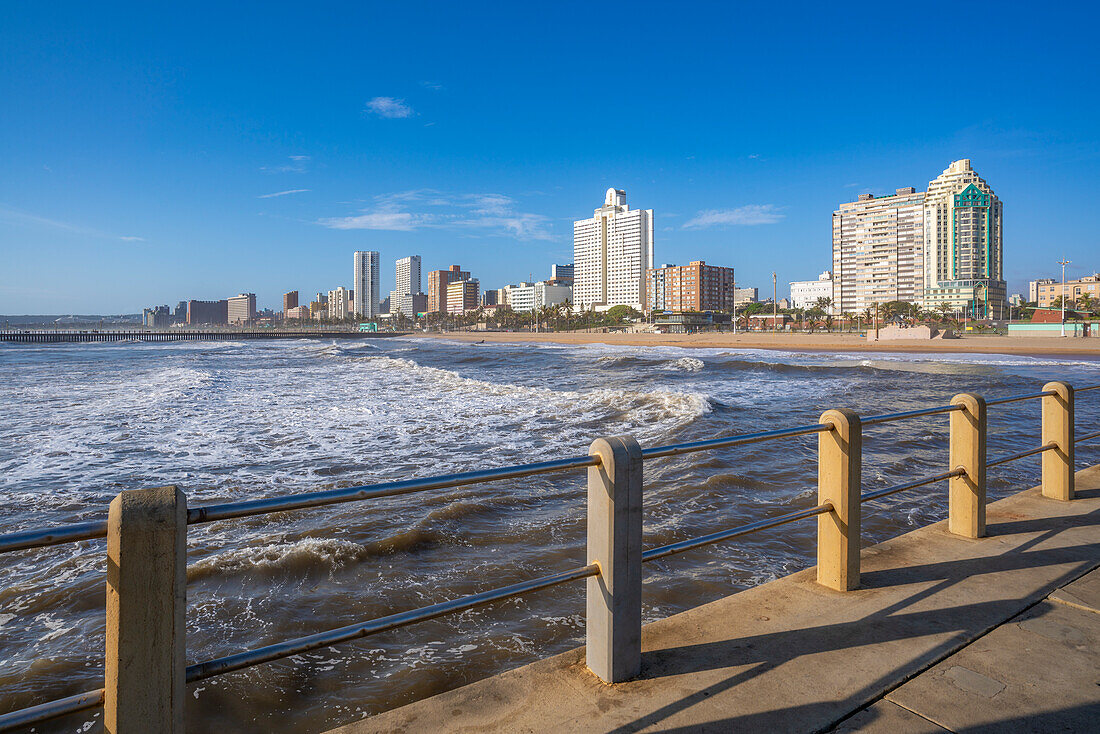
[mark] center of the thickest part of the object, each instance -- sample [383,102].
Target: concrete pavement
[944,633]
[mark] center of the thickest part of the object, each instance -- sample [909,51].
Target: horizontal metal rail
[685,545]
[51,710]
[1017,398]
[246,508]
[228,664]
[888,417]
[1012,457]
[210,513]
[718,443]
[879,493]
[1090,387]
[53,536]
[1087,437]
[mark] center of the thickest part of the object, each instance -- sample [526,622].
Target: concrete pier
[944,633]
[50,336]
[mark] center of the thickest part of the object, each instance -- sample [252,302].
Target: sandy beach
[1088,348]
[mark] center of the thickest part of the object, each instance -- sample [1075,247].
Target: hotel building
[407,298]
[365,285]
[241,309]
[611,253]
[339,304]
[693,287]
[943,246]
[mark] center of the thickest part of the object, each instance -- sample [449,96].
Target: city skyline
[146,164]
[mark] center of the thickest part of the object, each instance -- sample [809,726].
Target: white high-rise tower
[365,284]
[611,253]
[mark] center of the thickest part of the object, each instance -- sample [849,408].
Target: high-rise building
[242,308]
[561,274]
[878,250]
[290,300]
[437,286]
[365,285]
[339,304]
[207,312]
[157,317]
[462,296]
[611,253]
[180,315]
[940,247]
[693,287]
[805,293]
[407,298]
[963,252]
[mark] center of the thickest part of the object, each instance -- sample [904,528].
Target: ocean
[227,421]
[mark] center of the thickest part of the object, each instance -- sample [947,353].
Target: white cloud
[389,107]
[297,165]
[744,215]
[434,86]
[132,239]
[282,193]
[495,214]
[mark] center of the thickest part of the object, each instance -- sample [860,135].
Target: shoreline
[1087,348]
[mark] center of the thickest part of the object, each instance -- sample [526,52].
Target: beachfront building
[407,298]
[462,296]
[339,304]
[1046,291]
[561,274]
[878,250]
[693,287]
[241,308]
[365,284]
[438,280]
[290,300]
[805,293]
[534,296]
[611,253]
[963,251]
[942,247]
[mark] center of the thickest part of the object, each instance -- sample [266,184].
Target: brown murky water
[226,421]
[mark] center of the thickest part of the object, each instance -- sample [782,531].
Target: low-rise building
[534,296]
[805,293]
[1047,290]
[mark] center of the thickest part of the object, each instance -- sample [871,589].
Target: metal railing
[145,664]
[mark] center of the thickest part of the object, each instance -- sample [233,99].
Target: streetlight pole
[775,306]
[1063,263]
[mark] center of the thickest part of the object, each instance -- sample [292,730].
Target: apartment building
[462,296]
[1047,290]
[611,253]
[693,287]
[438,280]
[805,293]
[365,284]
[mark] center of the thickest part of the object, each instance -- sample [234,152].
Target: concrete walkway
[996,634]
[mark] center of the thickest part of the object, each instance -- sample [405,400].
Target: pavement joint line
[933,722]
[1071,605]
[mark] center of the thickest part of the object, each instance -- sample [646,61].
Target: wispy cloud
[389,107]
[282,193]
[434,86]
[298,164]
[10,215]
[493,214]
[744,215]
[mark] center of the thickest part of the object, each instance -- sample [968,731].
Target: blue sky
[153,154]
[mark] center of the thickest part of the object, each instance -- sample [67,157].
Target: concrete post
[614,624]
[146,588]
[966,494]
[839,465]
[1058,429]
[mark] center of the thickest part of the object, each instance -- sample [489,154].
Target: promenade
[945,633]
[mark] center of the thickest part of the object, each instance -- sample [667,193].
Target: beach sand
[1088,348]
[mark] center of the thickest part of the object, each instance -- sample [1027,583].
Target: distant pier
[54,336]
